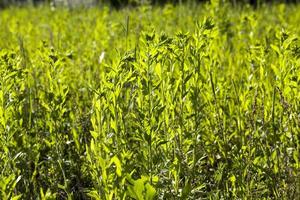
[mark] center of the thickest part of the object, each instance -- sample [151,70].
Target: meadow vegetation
[173,102]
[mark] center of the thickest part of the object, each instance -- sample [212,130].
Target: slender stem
[149,77]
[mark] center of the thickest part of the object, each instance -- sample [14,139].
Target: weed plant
[148,103]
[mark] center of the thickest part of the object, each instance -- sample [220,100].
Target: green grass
[185,102]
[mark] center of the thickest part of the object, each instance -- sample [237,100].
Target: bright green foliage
[150,103]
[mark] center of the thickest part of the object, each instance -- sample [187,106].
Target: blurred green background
[122,3]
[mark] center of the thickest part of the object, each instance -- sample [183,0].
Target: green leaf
[186,190]
[16,197]
[232,178]
[150,192]
[117,162]
[275,70]
[276,49]
[158,70]
[289,41]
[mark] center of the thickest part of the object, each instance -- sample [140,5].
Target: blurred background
[123,3]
